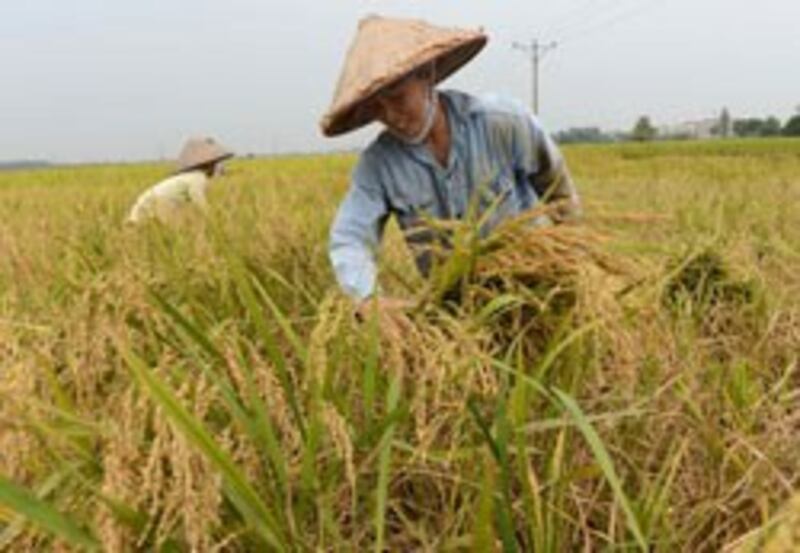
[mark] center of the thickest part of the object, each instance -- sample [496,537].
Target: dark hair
[425,72]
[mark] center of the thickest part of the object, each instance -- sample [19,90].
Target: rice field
[627,384]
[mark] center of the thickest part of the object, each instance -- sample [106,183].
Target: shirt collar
[457,106]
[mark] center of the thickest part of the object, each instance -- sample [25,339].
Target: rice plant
[629,383]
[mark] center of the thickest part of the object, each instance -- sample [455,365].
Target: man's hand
[391,313]
[382,305]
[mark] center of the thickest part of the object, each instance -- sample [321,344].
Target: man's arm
[197,192]
[142,207]
[553,183]
[357,231]
[547,172]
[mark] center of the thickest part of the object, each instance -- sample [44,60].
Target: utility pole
[537,52]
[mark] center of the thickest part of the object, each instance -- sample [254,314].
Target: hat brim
[197,165]
[357,113]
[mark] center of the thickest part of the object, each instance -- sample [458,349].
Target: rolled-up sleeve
[357,231]
[540,159]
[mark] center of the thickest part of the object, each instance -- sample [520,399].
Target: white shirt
[170,195]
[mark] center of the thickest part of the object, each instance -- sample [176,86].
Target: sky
[94,80]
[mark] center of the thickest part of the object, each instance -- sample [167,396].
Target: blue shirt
[498,150]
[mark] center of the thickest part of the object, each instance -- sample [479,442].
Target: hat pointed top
[385,50]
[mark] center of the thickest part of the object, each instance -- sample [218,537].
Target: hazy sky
[100,80]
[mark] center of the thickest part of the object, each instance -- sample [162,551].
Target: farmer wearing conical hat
[440,149]
[199,161]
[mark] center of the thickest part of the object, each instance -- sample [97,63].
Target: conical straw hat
[201,151]
[383,52]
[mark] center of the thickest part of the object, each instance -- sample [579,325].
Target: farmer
[199,161]
[439,151]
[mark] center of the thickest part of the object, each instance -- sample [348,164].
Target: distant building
[701,129]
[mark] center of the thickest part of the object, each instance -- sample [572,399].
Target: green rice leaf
[242,494]
[606,464]
[384,459]
[44,515]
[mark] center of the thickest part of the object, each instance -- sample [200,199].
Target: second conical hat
[383,52]
[201,151]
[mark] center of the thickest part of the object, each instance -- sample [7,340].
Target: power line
[584,13]
[568,16]
[605,24]
[537,50]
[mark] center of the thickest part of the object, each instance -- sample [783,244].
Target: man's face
[402,107]
[212,170]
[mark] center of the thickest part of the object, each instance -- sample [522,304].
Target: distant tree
[752,127]
[644,130]
[24,164]
[725,125]
[771,127]
[582,134]
[748,127]
[792,126]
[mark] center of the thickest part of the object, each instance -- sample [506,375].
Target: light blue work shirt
[497,147]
